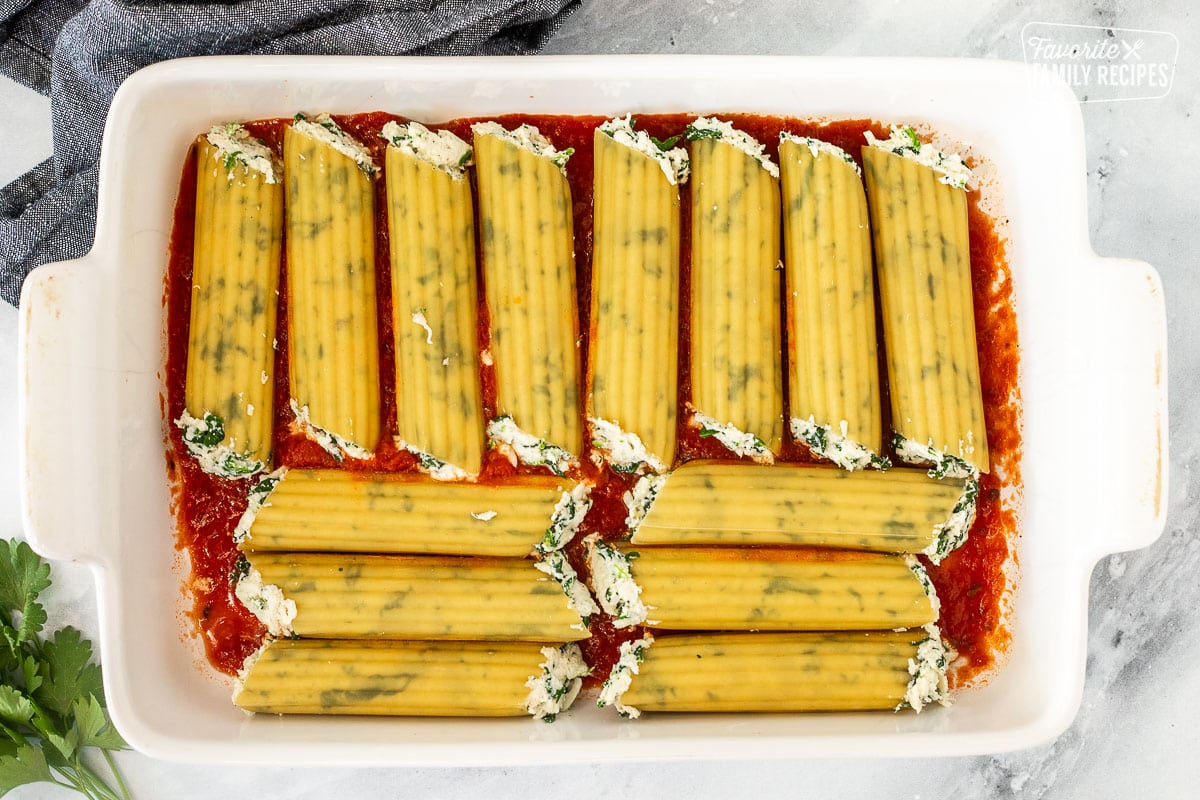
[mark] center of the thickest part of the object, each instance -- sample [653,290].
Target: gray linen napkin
[79,53]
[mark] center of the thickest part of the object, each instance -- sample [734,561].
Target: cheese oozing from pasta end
[820,147]
[235,145]
[624,450]
[612,579]
[904,142]
[528,138]
[256,500]
[267,602]
[836,445]
[713,128]
[736,441]
[632,654]
[673,160]
[330,442]
[640,498]
[204,438]
[440,149]
[555,689]
[579,599]
[519,446]
[950,535]
[324,129]
[927,672]
[568,515]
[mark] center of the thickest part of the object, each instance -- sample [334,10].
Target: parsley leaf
[51,692]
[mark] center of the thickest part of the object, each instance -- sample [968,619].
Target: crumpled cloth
[80,52]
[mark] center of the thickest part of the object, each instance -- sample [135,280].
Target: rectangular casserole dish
[92,354]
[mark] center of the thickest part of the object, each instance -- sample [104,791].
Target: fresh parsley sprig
[52,710]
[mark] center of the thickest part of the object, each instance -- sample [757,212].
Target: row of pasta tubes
[440,610]
[417,593]
[910,221]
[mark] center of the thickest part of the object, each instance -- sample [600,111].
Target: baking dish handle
[1130,330]
[57,365]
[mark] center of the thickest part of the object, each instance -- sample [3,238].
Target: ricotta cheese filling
[568,515]
[235,146]
[431,465]
[579,599]
[673,160]
[736,441]
[818,147]
[324,129]
[265,601]
[330,442]
[632,654]
[239,681]
[837,446]
[418,318]
[950,535]
[257,500]
[527,137]
[713,128]
[926,582]
[612,580]
[204,439]
[440,149]
[520,447]
[904,142]
[555,689]
[623,450]
[927,673]
[640,498]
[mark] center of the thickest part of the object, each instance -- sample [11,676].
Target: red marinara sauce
[970,582]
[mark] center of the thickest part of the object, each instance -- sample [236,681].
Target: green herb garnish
[665,144]
[693,133]
[913,141]
[52,708]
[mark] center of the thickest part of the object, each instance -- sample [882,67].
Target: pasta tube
[432,238]
[229,390]
[334,510]
[919,225]
[529,275]
[898,511]
[740,589]
[452,679]
[407,597]
[833,369]
[781,672]
[736,338]
[635,294]
[332,335]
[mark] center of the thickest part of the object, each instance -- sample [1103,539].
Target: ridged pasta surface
[700,588]
[529,275]
[331,510]
[833,370]
[390,678]
[432,238]
[635,295]
[774,672]
[736,339]
[231,360]
[922,249]
[332,326]
[420,597]
[719,503]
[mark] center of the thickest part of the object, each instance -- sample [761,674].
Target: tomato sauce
[970,582]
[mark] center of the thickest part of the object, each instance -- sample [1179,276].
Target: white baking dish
[1093,380]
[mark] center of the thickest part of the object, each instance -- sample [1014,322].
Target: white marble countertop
[1136,733]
